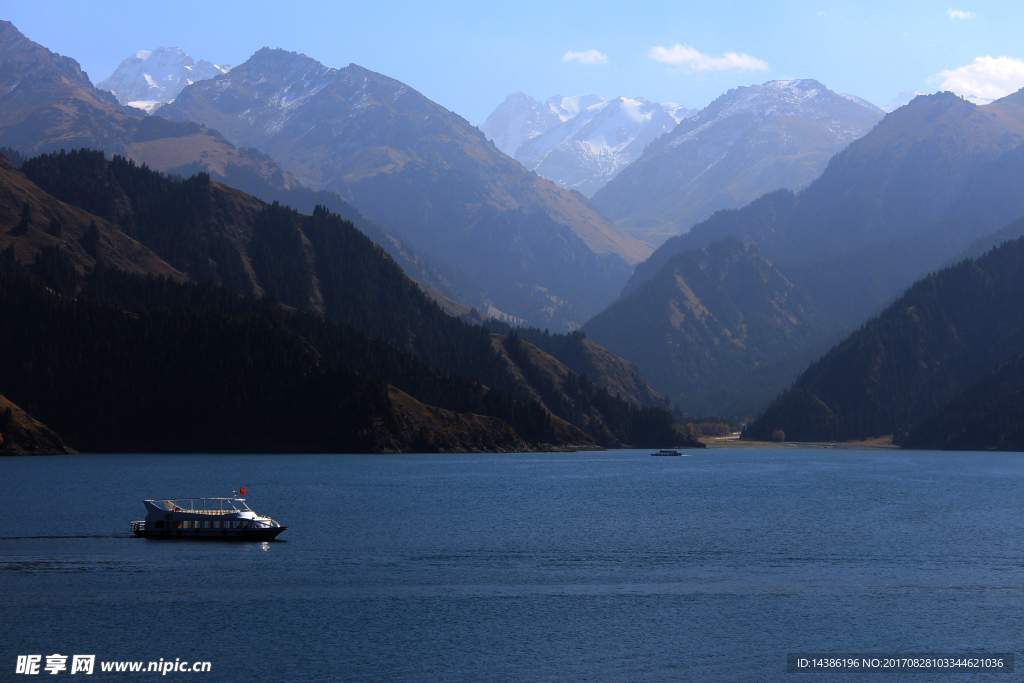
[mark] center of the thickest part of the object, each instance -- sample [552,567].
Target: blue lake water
[611,566]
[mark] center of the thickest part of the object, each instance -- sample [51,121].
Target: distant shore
[733,441]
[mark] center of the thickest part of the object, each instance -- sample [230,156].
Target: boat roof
[189,503]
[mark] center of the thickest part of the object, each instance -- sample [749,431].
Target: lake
[605,566]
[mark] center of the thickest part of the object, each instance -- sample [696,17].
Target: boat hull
[212,534]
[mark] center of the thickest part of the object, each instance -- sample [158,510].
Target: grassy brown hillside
[22,434]
[420,428]
[618,376]
[47,103]
[586,357]
[576,399]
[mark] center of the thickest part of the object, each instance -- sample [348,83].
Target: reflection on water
[594,566]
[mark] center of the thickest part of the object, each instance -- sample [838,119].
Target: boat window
[158,525]
[216,524]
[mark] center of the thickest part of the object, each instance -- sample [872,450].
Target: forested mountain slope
[318,263]
[945,332]
[986,415]
[135,364]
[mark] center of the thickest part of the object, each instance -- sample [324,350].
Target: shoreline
[878,443]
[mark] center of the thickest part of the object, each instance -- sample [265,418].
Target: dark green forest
[147,364]
[358,282]
[178,379]
[947,330]
[988,414]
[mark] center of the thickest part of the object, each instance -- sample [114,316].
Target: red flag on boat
[243,492]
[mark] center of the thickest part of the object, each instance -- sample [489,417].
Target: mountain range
[49,104]
[541,252]
[720,318]
[939,164]
[934,177]
[151,78]
[749,141]
[579,142]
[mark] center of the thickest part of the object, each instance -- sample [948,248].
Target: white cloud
[684,55]
[588,57]
[987,77]
[957,14]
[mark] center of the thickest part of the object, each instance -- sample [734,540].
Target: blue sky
[468,56]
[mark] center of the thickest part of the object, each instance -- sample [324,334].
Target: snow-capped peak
[151,78]
[596,138]
[568,107]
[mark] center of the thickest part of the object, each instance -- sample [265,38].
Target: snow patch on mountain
[859,100]
[580,142]
[568,107]
[151,78]
[800,98]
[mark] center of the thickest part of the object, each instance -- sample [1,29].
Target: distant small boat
[667,452]
[223,518]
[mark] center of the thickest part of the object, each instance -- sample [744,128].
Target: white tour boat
[205,518]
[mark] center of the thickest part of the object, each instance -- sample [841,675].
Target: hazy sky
[468,56]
